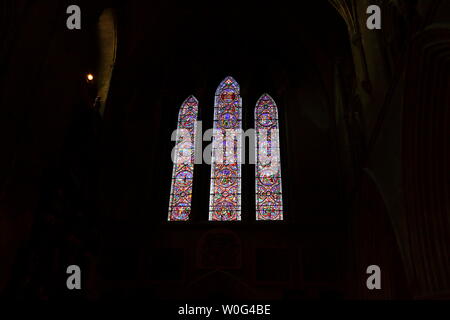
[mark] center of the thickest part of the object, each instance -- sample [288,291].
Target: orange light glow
[90,77]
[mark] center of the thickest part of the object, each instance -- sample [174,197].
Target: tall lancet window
[183,157]
[269,202]
[225,191]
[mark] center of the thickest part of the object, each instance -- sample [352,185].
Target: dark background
[364,139]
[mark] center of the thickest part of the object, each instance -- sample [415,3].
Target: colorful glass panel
[225,191]
[183,158]
[269,202]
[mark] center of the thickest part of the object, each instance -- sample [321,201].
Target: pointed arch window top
[266,99]
[191,103]
[266,113]
[188,111]
[228,85]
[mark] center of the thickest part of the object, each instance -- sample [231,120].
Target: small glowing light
[90,77]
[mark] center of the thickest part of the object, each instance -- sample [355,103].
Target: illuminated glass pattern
[269,202]
[225,191]
[183,158]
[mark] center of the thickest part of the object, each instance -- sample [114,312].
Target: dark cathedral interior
[86,122]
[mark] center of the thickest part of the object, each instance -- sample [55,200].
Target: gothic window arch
[226,162]
[183,162]
[269,202]
[225,191]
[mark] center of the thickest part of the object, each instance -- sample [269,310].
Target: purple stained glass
[183,158]
[269,200]
[225,192]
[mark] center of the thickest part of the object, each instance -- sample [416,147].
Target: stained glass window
[183,158]
[269,202]
[225,191]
